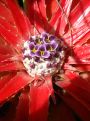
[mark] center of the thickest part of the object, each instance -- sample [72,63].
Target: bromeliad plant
[45,54]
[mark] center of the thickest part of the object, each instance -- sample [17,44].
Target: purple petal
[31,40]
[39,41]
[45,35]
[32,54]
[38,53]
[46,54]
[48,46]
[46,38]
[37,59]
[32,45]
[52,37]
[54,45]
[42,48]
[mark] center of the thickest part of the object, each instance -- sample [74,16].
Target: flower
[40,56]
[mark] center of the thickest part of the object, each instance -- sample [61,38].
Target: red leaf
[7,25]
[62,13]
[61,112]
[83,40]
[5,13]
[11,66]
[76,61]
[83,10]
[39,101]
[22,113]
[36,11]
[14,85]
[77,67]
[8,29]
[65,14]
[82,52]
[5,79]
[9,57]
[14,25]
[20,19]
[42,8]
[65,113]
[83,67]
[76,106]
[81,55]
[77,35]
[51,7]
[6,50]
[80,82]
[77,92]
[9,36]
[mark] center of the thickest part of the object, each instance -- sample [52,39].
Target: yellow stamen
[48,40]
[50,49]
[39,42]
[34,50]
[42,53]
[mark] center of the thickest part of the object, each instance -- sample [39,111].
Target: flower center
[43,55]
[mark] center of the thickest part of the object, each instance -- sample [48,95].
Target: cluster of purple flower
[42,54]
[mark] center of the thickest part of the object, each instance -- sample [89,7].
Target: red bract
[65,19]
